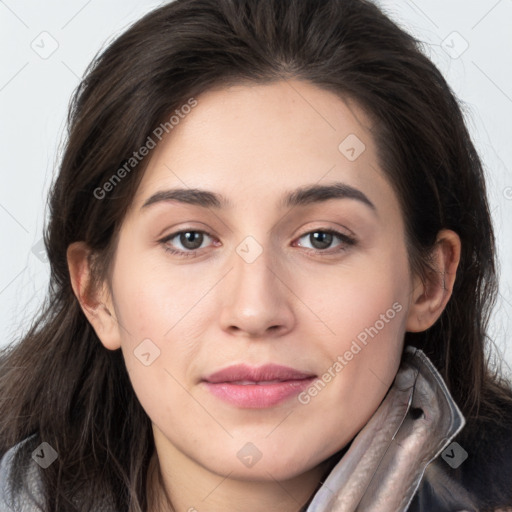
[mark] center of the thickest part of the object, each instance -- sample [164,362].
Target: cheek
[153,299]
[368,341]
[357,303]
[362,364]
[365,310]
[156,316]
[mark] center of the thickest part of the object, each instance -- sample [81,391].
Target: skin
[290,306]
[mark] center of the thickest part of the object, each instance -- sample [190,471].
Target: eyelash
[347,241]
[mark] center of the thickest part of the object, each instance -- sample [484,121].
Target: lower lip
[258,396]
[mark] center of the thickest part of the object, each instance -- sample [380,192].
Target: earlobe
[429,298]
[96,304]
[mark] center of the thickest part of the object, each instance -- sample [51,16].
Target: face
[263,273]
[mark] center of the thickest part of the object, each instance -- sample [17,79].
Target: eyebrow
[300,197]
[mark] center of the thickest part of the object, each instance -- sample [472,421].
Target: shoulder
[475,471]
[25,493]
[487,439]
[21,485]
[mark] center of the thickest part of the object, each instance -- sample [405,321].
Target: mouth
[257,387]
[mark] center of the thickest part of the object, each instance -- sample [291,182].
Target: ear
[96,304]
[430,298]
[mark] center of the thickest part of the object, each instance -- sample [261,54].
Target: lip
[257,387]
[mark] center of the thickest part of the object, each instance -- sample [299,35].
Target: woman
[261,208]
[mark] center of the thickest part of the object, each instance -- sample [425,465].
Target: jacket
[403,460]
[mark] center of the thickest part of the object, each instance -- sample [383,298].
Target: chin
[277,465]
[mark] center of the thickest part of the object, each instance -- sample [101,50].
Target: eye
[322,239]
[191,241]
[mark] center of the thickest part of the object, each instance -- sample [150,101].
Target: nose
[257,298]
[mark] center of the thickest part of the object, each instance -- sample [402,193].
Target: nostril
[416,413]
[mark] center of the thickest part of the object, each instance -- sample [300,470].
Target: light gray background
[46,47]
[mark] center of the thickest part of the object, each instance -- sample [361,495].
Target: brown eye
[322,239]
[185,242]
[191,239]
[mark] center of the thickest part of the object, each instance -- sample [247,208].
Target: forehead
[254,142]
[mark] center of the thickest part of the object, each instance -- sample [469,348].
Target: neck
[195,489]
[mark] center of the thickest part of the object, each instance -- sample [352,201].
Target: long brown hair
[60,383]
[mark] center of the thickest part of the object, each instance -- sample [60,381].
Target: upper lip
[267,372]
